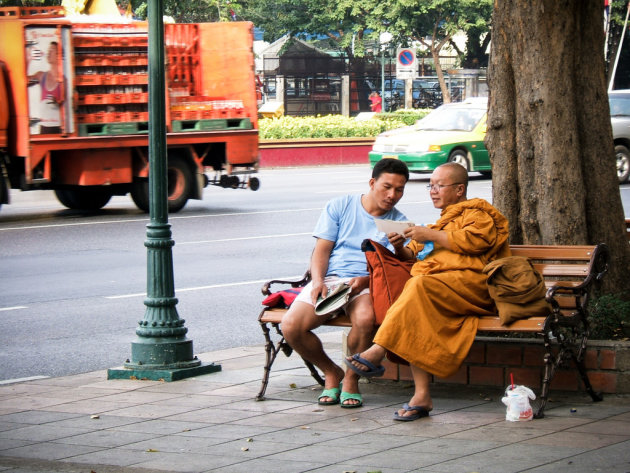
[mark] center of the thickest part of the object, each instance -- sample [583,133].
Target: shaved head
[456,172]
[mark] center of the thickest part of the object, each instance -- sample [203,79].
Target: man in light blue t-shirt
[337,258]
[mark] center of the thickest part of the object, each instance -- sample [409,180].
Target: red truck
[74,108]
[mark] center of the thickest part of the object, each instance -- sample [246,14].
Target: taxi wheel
[460,157]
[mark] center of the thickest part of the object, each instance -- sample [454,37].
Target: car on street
[619,101]
[451,133]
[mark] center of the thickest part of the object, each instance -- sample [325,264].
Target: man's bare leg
[359,338]
[297,326]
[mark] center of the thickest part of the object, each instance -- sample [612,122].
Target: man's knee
[363,319]
[296,321]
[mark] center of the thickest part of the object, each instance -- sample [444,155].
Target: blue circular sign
[406,57]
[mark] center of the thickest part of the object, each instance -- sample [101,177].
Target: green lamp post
[161,350]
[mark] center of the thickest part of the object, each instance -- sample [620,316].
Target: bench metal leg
[271,351]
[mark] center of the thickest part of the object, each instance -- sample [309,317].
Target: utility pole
[161,350]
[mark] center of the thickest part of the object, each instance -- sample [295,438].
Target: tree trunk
[549,132]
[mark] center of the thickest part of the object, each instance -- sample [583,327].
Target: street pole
[161,350]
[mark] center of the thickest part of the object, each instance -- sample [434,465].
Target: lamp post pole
[161,349]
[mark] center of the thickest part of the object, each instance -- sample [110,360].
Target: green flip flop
[354,396]
[332,393]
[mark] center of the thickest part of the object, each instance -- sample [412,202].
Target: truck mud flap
[211,124]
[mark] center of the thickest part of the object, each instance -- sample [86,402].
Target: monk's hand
[417,233]
[358,284]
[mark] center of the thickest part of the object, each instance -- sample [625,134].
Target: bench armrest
[266,289]
[597,268]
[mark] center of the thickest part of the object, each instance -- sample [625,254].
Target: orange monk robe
[434,321]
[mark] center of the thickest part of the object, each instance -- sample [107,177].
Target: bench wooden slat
[549,252]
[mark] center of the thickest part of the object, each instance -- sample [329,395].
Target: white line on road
[213,286]
[2,309]
[244,238]
[20,380]
[146,219]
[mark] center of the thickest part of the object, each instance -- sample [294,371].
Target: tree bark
[549,132]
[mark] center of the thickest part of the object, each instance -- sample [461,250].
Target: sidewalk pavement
[212,423]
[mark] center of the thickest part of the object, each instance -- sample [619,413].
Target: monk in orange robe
[434,321]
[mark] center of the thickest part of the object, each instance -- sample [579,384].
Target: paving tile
[509,458]
[342,467]
[107,438]
[150,411]
[263,465]
[49,451]
[608,427]
[172,462]
[279,420]
[450,446]
[613,458]
[41,433]
[498,433]
[112,456]
[583,440]
[332,454]
[211,415]
[159,426]
[88,423]
[6,444]
[231,431]
[396,458]
[91,406]
[36,417]
[173,444]
[425,428]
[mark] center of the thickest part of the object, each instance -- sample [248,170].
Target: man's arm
[319,266]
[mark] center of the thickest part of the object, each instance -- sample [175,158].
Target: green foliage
[610,317]
[334,126]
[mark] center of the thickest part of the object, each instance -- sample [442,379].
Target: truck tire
[180,185]
[84,198]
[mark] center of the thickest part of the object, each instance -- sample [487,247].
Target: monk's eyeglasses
[439,187]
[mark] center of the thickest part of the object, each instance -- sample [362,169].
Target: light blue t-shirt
[345,222]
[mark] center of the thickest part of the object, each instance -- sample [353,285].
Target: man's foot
[351,400]
[332,382]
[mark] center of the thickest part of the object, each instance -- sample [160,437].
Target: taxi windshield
[449,118]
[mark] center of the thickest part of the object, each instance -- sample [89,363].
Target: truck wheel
[180,182]
[89,198]
[140,193]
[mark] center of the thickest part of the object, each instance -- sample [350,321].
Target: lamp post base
[143,372]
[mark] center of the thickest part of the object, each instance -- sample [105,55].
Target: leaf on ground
[152,450]
[95,416]
[293,385]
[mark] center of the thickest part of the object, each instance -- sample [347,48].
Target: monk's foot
[367,363]
[416,408]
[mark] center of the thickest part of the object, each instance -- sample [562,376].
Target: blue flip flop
[354,396]
[372,371]
[420,412]
[332,393]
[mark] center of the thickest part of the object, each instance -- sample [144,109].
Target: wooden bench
[569,272]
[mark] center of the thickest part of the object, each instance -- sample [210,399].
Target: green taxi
[453,132]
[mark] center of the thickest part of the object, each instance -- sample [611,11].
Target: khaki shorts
[330,281]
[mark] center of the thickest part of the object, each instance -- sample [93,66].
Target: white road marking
[20,380]
[212,286]
[2,309]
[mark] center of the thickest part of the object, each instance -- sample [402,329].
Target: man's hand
[358,284]
[319,289]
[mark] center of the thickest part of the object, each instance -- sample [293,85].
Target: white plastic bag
[517,401]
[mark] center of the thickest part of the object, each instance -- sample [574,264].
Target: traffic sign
[406,66]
